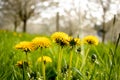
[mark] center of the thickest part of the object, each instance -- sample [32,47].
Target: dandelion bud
[33,75]
[87,73]
[79,49]
[93,58]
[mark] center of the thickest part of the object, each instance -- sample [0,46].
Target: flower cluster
[44,59]
[34,44]
[25,46]
[61,38]
[41,42]
[16,34]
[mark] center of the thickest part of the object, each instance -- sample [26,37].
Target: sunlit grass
[100,62]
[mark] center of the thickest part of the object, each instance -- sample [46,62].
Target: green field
[101,62]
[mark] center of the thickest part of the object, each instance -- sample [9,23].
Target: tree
[19,11]
[105,8]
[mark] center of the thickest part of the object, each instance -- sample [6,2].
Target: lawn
[51,60]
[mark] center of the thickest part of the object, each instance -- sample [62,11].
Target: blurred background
[75,17]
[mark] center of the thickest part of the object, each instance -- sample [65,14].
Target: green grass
[100,62]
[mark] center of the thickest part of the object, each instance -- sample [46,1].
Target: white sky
[94,10]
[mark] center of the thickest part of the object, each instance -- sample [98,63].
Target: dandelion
[22,64]
[92,40]
[60,38]
[25,46]
[74,41]
[3,31]
[20,35]
[19,64]
[14,33]
[45,59]
[41,42]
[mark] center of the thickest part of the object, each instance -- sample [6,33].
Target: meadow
[56,60]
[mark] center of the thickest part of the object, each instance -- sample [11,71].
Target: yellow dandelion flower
[60,38]
[77,40]
[74,41]
[25,46]
[14,33]
[41,42]
[44,59]
[20,64]
[20,35]
[3,31]
[92,40]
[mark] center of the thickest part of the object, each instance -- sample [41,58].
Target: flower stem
[43,69]
[23,73]
[77,61]
[113,57]
[98,55]
[23,69]
[70,65]
[59,64]
[26,56]
[43,66]
[84,59]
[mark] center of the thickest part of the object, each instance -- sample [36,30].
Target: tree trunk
[103,32]
[24,25]
[57,21]
[70,28]
[15,26]
[15,23]
[103,26]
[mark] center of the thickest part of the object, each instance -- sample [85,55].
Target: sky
[90,9]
